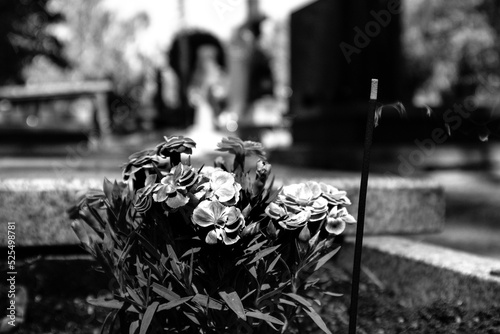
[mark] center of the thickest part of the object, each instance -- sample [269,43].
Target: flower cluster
[299,204]
[182,240]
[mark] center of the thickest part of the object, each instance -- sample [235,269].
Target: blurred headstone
[336,48]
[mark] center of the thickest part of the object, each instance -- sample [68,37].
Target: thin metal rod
[356,269]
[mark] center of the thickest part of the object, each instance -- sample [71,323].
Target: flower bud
[271,229]
[261,175]
[305,234]
[314,240]
[80,232]
[219,162]
[263,169]
[91,221]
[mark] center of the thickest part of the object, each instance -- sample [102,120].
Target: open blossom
[175,144]
[222,186]
[304,197]
[173,188]
[333,195]
[337,220]
[287,220]
[239,147]
[142,160]
[225,221]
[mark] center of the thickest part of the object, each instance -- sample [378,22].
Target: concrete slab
[422,274]
[38,206]
[466,264]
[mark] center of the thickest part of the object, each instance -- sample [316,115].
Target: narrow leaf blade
[325,258]
[174,303]
[317,319]
[148,316]
[263,253]
[266,317]
[164,292]
[298,298]
[234,302]
[113,303]
[206,301]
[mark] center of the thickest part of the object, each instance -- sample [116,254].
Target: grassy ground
[388,304]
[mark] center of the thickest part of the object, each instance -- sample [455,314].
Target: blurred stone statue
[207,88]
[198,60]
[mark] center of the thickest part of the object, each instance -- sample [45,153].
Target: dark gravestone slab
[336,48]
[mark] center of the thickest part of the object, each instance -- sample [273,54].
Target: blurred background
[83,84]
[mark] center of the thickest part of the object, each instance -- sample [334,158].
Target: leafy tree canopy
[24,34]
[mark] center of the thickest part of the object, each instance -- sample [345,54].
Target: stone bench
[394,207]
[26,101]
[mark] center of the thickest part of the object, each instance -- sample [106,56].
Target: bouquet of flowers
[209,249]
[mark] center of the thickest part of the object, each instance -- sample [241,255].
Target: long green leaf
[104,260]
[134,326]
[263,253]
[191,251]
[333,294]
[148,316]
[192,317]
[174,262]
[152,266]
[234,302]
[171,253]
[317,319]
[206,301]
[251,292]
[271,266]
[174,303]
[287,302]
[164,292]
[271,293]
[112,303]
[135,296]
[107,326]
[298,298]
[266,317]
[253,248]
[325,258]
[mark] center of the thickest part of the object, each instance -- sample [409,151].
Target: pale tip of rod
[374,90]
